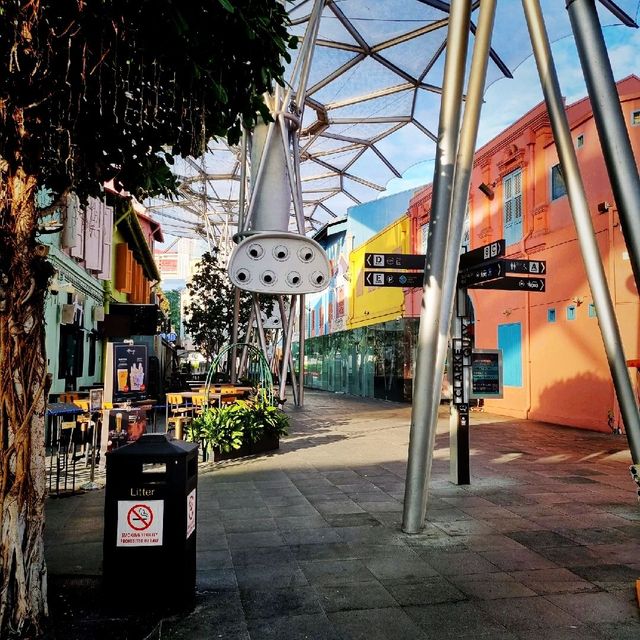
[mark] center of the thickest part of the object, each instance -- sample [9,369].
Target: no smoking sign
[140,523]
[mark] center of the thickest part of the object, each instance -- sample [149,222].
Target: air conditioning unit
[98,314]
[67,313]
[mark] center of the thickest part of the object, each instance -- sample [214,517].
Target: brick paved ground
[306,543]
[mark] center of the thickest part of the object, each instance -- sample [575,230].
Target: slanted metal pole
[287,350]
[262,339]
[584,225]
[302,338]
[233,371]
[423,424]
[459,422]
[236,296]
[285,331]
[610,122]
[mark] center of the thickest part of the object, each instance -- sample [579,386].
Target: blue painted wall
[367,219]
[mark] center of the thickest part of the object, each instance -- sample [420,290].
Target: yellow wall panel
[372,305]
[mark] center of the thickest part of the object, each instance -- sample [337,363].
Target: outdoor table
[214,393]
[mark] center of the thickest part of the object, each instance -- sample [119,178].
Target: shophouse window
[551,315]
[635,118]
[92,354]
[558,188]
[424,235]
[71,355]
[580,141]
[592,311]
[512,212]
[510,341]
[571,312]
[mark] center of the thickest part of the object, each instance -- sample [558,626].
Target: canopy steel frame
[446,229]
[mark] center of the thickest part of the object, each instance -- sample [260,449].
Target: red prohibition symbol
[140,517]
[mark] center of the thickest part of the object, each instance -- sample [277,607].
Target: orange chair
[228,395]
[199,404]
[180,414]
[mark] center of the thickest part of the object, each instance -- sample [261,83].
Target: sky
[506,100]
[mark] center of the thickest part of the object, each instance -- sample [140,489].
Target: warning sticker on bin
[140,523]
[191,512]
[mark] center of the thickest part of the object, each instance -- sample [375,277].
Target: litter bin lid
[156,445]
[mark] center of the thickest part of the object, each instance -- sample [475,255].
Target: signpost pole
[460,353]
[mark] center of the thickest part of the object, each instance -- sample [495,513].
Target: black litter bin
[150,524]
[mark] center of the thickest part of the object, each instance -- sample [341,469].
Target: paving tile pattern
[307,543]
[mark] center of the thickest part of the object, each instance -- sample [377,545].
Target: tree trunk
[24,385]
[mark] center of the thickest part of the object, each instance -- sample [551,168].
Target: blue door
[510,341]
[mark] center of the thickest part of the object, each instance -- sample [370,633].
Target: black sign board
[486,373]
[129,372]
[537,267]
[511,284]
[390,279]
[394,260]
[497,268]
[489,271]
[477,256]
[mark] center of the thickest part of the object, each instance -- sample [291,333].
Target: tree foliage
[210,310]
[92,91]
[174,299]
[108,89]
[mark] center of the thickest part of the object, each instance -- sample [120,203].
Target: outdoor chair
[179,414]
[228,395]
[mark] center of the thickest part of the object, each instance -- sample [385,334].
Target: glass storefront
[373,362]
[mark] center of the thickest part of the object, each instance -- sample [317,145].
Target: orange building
[555,367]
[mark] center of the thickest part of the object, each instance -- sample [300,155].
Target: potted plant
[243,428]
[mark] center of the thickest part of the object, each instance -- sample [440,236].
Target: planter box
[266,443]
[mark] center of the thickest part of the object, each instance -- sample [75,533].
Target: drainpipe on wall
[532,165]
[107,287]
[611,269]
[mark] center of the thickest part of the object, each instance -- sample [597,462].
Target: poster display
[96,397]
[486,373]
[130,370]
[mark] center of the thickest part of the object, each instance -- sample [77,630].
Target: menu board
[486,373]
[130,370]
[96,397]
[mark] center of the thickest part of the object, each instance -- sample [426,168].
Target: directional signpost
[497,269]
[393,261]
[391,279]
[482,268]
[512,284]
[488,252]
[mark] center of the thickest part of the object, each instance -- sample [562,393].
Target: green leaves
[227,5]
[209,315]
[129,80]
[229,427]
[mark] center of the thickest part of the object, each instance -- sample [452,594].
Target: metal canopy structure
[384,89]
[371,106]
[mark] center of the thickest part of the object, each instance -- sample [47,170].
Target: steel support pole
[233,370]
[609,119]
[285,331]
[423,426]
[302,338]
[287,349]
[459,202]
[262,339]
[584,225]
